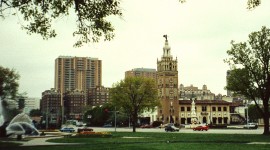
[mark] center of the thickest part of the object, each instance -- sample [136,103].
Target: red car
[201,128]
[146,126]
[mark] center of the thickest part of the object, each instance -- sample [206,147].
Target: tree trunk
[134,121]
[266,117]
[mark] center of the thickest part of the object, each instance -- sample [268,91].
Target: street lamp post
[247,111]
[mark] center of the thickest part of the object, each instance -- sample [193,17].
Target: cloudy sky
[199,33]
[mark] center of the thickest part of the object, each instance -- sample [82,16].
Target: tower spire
[166,48]
[166,37]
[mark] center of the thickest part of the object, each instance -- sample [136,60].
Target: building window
[183,120]
[219,120]
[188,120]
[224,108]
[204,108]
[225,120]
[219,108]
[213,108]
[182,108]
[188,108]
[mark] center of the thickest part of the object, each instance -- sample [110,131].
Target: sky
[199,34]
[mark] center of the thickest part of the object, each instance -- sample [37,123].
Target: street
[183,130]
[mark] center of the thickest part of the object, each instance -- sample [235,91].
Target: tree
[97,116]
[250,74]
[135,95]
[253,113]
[250,3]
[91,15]
[8,83]
[21,103]
[39,15]
[35,112]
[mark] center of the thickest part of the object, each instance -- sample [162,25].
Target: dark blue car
[66,129]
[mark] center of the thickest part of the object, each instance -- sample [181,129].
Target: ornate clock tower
[167,81]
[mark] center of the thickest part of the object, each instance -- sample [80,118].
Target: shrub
[156,123]
[93,134]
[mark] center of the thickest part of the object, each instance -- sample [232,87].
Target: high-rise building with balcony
[78,73]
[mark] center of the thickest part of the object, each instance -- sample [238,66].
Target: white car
[251,126]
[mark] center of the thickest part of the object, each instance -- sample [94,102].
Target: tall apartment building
[142,72]
[78,73]
[167,81]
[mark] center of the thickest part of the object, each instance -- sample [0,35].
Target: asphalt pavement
[183,130]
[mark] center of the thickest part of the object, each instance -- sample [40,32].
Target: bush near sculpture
[93,134]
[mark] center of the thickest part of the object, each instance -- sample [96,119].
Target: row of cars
[171,127]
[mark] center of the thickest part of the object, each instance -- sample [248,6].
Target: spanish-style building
[207,111]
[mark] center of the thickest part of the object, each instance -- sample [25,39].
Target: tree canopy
[39,16]
[253,113]
[135,95]
[8,83]
[250,74]
[250,3]
[35,112]
[91,16]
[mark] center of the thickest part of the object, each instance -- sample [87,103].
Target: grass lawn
[160,141]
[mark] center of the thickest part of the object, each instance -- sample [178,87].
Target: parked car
[146,126]
[107,125]
[171,128]
[66,129]
[165,125]
[201,128]
[251,126]
[84,129]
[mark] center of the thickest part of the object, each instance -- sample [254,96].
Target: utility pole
[47,120]
[114,118]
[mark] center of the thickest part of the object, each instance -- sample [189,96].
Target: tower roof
[166,48]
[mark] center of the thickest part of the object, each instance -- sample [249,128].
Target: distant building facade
[194,92]
[167,82]
[50,105]
[207,111]
[98,96]
[142,72]
[31,103]
[74,102]
[77,73]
